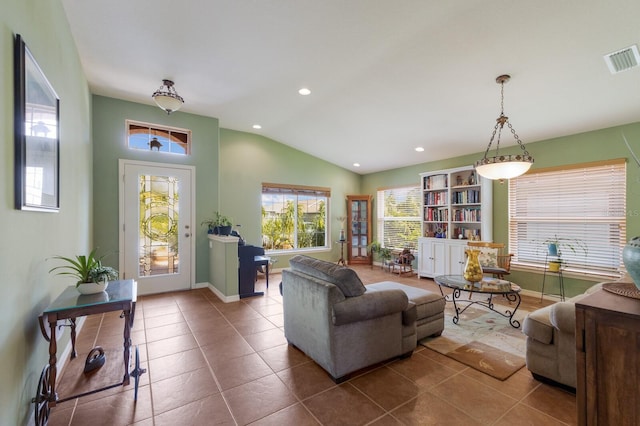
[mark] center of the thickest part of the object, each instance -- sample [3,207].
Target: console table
[120,295]
[608,359]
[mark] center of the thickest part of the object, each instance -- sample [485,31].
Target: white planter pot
[92,288]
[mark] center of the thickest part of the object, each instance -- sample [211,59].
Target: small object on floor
[95,360]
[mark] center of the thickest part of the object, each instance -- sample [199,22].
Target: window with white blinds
[398,217]
[583,207]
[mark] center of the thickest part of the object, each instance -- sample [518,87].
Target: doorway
[156,217]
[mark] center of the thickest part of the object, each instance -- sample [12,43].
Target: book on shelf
[467,215]
[437,214]
[436,182]
[435,198]
[471,196]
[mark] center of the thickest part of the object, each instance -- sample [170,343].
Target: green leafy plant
[217,219]
[103,273]
[383,253]
[562,244]
[85,269]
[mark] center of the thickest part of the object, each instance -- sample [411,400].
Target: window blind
[398,217]
[582,206]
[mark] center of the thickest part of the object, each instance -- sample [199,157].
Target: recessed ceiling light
[304,91]
[419,149]
[356,164]
[257,126]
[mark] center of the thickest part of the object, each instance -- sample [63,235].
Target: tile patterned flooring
[212,363]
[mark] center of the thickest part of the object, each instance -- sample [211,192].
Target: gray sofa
[332,317]
[551,340]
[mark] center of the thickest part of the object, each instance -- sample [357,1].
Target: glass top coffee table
[488,287]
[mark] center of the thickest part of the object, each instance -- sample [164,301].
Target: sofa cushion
[537,325]
[427,302]
[344,278]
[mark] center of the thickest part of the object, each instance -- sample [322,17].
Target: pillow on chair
[488,257]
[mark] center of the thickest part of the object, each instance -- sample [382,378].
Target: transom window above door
[155,138]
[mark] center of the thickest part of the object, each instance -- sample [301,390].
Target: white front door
[156,217]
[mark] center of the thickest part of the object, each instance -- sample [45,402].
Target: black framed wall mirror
[37,135]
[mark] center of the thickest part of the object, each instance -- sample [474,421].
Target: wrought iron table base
[455,298]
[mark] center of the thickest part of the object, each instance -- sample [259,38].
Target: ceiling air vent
[623,60]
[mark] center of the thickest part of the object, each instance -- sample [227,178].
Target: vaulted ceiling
[386,76]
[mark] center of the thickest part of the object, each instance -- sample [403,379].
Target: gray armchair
[329,315]
[551,340]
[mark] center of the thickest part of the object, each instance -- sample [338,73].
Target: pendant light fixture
[167,98]
[501,166]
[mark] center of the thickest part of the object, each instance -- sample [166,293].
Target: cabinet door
[608,359]
[432,257]
[613,369]
[425,258]
[439,252]
[456,259]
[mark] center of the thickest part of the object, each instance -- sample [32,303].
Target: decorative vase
[472,269]
[92,288]
[631,259]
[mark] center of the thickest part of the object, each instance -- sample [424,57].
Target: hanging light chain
[500,122]
[515,135]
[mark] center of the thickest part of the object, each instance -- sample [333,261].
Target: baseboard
[201,285]
[221,296]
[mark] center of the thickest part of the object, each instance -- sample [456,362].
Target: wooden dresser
[608,359]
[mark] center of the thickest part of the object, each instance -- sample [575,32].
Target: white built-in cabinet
[456,207]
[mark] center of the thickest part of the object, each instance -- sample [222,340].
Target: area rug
[482,340]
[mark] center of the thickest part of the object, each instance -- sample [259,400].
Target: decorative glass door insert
[158,247]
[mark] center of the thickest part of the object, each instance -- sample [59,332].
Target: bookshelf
[456,208]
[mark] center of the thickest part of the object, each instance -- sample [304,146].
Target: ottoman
[429,307]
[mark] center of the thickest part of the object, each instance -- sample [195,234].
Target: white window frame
[297,191]
[159,139]
[584,205]
[392,241]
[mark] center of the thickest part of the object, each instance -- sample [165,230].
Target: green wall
[229,170]
[29,238]
[580,148]
[248,160]
[110,144]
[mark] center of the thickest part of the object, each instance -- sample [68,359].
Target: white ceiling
[386,75]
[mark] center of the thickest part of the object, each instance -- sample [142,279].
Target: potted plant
[219,224]
[555,247]
[384,253]
[90,274]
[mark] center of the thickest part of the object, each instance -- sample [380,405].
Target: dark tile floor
[214,363]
